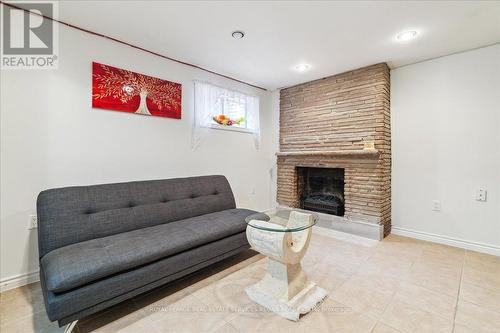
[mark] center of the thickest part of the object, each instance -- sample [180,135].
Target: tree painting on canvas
[122,90]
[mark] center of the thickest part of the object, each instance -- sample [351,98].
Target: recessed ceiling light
[302,67]
[406,35]
[238,34]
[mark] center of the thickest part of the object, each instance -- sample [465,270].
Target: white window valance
[233,110]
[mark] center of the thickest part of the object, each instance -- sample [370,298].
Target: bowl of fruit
[226,121]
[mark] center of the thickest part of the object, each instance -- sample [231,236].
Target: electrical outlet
[481,194]
[436,205]
[33,222]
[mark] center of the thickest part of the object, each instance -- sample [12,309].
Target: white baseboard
[463,244]
[18,281]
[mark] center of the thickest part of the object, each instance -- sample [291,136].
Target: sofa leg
[69,328]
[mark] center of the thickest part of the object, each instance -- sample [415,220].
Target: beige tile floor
[397,285]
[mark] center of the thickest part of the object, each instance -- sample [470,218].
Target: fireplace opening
[321,189]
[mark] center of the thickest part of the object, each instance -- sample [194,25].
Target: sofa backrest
[74,214]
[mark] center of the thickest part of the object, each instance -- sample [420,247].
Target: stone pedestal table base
[285,288]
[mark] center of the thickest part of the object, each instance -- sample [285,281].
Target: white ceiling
[332,37]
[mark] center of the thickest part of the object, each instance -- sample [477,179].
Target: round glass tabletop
[278,221]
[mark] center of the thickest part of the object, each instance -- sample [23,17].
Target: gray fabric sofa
[100,245]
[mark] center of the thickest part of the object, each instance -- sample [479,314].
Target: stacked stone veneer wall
[332,118]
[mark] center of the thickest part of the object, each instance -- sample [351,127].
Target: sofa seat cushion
[78,264]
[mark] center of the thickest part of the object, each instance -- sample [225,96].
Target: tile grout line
[232,326]
[386,306]
[478,285]
[392,299]
[459,289]
[433,290]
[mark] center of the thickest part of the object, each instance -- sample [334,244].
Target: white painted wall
[51,137]
[445,144]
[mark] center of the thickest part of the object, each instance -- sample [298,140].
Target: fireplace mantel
[358,153]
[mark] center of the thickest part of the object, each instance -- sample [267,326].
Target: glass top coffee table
[283,237]
[279,221]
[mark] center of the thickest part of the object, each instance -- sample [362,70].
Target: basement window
[224,109]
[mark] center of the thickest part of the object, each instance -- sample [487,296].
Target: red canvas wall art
[122,90]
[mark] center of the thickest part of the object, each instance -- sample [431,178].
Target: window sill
[230,128]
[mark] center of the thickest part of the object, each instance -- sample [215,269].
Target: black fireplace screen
[321,189]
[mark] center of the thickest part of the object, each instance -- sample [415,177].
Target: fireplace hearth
[321,189]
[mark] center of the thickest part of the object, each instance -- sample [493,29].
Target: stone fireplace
[335,146]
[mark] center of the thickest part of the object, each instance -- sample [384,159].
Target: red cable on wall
[132,45]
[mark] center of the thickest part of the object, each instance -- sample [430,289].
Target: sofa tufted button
[192,196]
[131,204]
[88,211]
[164,200]
[215,192]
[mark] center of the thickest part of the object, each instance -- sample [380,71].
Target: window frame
[214,125]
